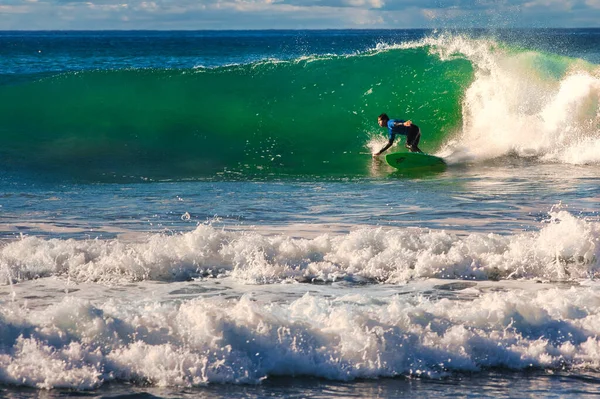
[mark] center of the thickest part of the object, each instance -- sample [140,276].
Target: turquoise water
[194,123]
[198,214]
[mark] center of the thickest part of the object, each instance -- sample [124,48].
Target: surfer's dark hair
[383,117]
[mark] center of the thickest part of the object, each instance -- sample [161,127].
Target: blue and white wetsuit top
[395,126]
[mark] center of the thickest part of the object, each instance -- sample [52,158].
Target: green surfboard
[415,160]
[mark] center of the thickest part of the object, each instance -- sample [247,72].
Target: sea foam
[529,103]
[79,344]
[565,247]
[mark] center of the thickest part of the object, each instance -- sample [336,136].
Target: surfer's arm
[388,145]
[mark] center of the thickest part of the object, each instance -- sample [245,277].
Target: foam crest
[75,344]
[564,248]
[527,103]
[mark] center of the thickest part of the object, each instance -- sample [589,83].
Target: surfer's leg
[412,139]
[415,143]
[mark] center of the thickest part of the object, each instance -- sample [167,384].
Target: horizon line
[295,29]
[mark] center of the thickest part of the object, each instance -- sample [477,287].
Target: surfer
[400,127]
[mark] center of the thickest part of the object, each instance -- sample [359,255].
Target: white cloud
[106,7]
[9,9]
[365,3]
[593,4]
[148,5]
[293,14]
[564,5]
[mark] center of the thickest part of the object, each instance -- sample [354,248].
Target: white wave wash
[77,344]
[523,102]
[566,247]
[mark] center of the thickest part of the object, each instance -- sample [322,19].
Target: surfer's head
[382,120]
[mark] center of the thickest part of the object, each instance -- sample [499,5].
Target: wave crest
[564,248]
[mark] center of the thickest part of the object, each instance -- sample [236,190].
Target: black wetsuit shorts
[413,136]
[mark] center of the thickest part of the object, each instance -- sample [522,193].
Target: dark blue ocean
[198,214]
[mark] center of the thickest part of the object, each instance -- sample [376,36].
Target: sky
[294,14]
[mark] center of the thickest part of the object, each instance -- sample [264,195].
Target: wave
[474,99]
[78,344]
[309,116]
[563,249]
[524,102]
[369,324]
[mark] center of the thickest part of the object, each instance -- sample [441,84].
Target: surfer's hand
[375,154]
[407,123]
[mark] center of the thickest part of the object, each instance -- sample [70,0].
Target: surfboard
[414,160]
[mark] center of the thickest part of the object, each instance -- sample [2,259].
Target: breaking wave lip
[525,102]
[565,248]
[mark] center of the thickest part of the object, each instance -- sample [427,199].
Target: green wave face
[311,116]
